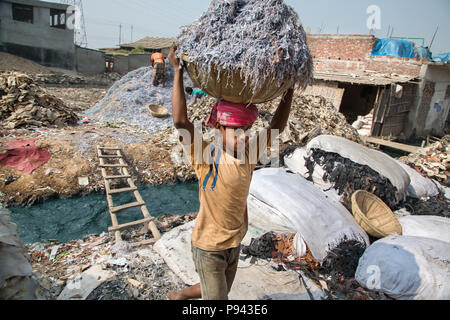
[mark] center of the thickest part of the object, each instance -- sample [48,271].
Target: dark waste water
[74,218]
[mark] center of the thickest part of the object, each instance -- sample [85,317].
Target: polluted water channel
[69,219]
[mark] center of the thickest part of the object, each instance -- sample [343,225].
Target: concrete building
[37,30]
[408,97]
[151,45]
[124,59]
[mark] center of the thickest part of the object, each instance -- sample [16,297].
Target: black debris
[347,177]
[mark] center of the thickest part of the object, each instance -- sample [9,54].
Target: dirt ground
[9,62]
[73,152]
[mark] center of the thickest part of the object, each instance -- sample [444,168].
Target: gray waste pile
[127,101]
[266,40]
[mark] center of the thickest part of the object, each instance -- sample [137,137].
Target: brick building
[409,97]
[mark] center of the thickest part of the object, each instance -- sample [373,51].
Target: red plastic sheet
[24,155]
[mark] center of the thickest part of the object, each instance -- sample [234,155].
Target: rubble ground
[136,276]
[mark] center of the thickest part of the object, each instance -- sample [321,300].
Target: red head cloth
[232,114]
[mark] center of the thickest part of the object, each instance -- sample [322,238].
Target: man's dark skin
[181,121]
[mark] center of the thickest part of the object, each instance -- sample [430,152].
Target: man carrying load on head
[159,70]
[224,182]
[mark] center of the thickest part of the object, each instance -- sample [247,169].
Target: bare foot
[176,295]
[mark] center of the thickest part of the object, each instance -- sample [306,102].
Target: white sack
[432,227]
[407,268]
[267,219]
[257,281]
[378,161]
[296,163]
[305,208]
[420,187]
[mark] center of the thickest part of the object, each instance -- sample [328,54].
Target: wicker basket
[234,90]
[158,111]
[373,215]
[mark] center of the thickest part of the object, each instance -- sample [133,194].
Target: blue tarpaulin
[393,48]
[442,57]
[423,53]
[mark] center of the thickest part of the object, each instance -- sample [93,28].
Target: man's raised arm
[281,116]
[179,108]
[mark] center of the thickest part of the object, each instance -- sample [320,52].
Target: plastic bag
[305,208]
[407,268]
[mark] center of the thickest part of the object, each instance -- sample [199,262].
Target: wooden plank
[113,165]
[123,190]
[126,206]
[117,177]
[105,156]
[394,145]
[109,148]
[130,224]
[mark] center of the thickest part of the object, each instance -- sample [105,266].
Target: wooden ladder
[124,174]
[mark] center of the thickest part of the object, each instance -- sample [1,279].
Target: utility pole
[131,33]
[434,36]
[120,34]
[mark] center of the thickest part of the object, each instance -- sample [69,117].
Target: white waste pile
[407,268]
[127,101]
[264,38]
[289,202]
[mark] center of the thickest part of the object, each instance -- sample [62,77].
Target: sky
[164,18]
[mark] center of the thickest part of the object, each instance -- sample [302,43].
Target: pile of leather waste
[25,104]
[433,161]
[335,276]
[347,177]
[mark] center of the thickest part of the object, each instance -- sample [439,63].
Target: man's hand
[173,57]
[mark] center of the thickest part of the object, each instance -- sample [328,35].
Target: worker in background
[159,68]
[197,94]
[224,182]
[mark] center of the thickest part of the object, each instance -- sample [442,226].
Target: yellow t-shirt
[224,184]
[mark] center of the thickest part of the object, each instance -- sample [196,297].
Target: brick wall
[352,53]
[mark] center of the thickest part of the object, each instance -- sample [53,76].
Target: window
[58,18]
[22,13]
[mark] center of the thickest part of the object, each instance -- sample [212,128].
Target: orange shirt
[157,57]
[222,221]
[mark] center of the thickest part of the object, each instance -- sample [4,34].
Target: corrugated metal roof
[367,78]
[151,43]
